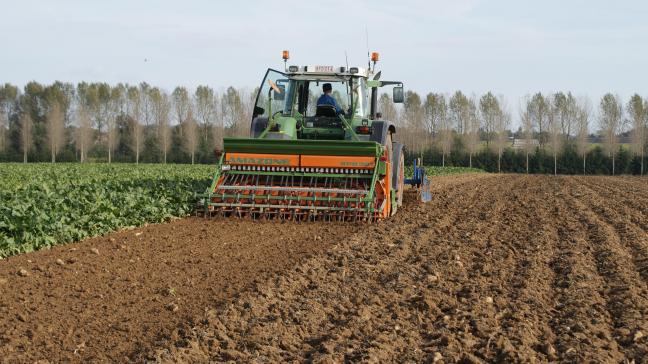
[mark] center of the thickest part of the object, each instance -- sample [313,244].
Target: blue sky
[510,47]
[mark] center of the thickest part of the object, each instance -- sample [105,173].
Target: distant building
[522,144]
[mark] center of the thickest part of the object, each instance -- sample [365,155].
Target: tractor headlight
[353,70]
[293,68]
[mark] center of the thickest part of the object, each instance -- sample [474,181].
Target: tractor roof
[324,72]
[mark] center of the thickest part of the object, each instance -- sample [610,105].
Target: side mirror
[280,96]
[398,95]
[257,111]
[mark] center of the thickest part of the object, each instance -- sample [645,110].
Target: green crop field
[45,204]
[442,171]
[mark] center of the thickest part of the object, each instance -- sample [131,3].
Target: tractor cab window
[340,92]
[273,94]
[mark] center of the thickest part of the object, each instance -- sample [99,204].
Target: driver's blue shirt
[326,99]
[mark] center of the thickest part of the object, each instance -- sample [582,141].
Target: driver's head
[327,88]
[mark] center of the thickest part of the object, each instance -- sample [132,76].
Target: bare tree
[582,124]
[165,136]
[55,129]
[111,136]
[26,137]
[231,108]
[571,117]
[564,111]
[181,105]
[145,104]
[190,134]
[459,109]
[555,122]
[610,121]
[161,110]
[3,131]
[236,112]
[527,130]
[445,129]
[489,110]
[205,103]
[114,109]
[502,120]
[249,100]
[8,94]
[413,115]
[637,114]
[387,108]
[135,117]
[436,123]
[472,130]
[83,133]
[103,109]
[538,109]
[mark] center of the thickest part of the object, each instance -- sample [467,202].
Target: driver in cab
[327,99]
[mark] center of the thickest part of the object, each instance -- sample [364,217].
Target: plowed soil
[496,268]
[116,298]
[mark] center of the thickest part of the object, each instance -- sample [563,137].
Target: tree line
[99,122]
[556,132]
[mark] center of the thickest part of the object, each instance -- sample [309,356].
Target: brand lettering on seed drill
[261,161]
[355,164]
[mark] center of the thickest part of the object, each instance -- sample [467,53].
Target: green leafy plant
[441,171]
[42,205]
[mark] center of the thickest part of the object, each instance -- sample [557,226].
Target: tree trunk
[555,164]
[443,159]
[642,161]
[527,162]
[25,157]
[192,158]
[499,162]
[613,164]
[643,148]
[109,156]
[470,160]
[584,156]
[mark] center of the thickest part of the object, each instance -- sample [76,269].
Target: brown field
[495,268]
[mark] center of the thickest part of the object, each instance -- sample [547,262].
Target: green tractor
[310,161]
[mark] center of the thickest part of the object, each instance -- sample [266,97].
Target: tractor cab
[287,103]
